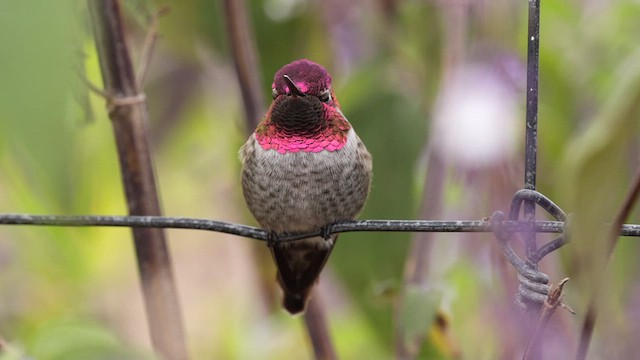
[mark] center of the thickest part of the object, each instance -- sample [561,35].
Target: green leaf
[76,339]
[416,315]
[595,171]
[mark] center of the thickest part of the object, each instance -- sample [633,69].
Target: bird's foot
[326,232]
[272,238]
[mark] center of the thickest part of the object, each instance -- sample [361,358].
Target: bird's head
[304,108]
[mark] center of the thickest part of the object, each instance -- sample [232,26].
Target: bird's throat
[292,127]
[298,115]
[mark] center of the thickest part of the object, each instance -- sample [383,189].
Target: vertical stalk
[408,346]
[245,59]
[315,320]
[591,316]
[243,48]
[242,42]
[128,112]
[531,140]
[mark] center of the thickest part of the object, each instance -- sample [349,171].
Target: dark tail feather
[294,303]
[299,266]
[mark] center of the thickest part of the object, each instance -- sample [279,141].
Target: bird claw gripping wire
[326,232]
[272,238]
[534,286]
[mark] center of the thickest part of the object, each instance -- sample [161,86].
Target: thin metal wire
[531,139]
[259,234]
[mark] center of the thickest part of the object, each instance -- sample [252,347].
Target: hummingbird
[303,169]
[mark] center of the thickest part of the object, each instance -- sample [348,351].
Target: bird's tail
[299,266]
[294,303]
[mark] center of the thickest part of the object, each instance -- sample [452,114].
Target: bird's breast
[303,191]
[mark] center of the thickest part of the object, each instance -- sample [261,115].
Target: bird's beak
[293,88]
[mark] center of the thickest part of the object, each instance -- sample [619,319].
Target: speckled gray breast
[303,191]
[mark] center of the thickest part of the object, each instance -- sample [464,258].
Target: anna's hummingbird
[304,168]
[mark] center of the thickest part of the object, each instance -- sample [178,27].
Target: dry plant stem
[244,52]
[389,9]
[316,323]
[612,239]
[416,264]
[243,48]
[431,207]
[129,119]
[554,300]
[148,47]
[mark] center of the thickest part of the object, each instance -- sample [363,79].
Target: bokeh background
[436,89]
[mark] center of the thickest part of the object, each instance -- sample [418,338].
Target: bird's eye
[274,93]
[325,96]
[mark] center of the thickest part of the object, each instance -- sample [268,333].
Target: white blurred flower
[476,118]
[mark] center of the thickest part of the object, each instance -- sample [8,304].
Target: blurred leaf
[596,171]
[393,130]
[416,315]
[74,339]
[199,21]
[36,89]
[9,352]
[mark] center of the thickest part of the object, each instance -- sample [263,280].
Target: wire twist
[534,286]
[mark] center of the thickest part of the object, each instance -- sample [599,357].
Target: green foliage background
[72,293]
